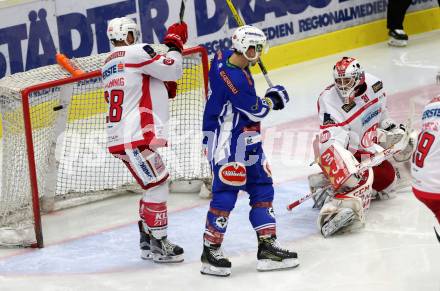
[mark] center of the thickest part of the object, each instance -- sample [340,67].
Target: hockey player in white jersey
[426,160]
[353,116]
[138,83]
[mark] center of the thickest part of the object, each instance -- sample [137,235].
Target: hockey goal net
[53,141]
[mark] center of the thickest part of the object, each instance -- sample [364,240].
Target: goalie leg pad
[319,184]
[321,197]
[317,181]
[340,213]
[342,219]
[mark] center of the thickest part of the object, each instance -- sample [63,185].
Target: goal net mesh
[73,165]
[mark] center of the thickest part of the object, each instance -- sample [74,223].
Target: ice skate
[398,38]
[272,257]
[214,262]
[144,243]
[164,251]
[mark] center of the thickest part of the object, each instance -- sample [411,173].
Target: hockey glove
[389,125]
[176,37]
[171,88]
[278,97]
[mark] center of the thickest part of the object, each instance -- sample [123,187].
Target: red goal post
[53,147]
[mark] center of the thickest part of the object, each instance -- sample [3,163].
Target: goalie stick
[368,163]
[305,198]
[240,22]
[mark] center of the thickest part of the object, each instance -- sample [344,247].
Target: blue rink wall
[31,32]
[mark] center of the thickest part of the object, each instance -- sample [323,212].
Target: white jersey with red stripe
[353,126]
[426,158]
[137,98]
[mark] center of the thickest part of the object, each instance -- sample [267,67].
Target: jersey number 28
[425,143]
[115,99]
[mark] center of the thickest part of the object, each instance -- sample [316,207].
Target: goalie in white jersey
[137,83]
[426,159]
[352,114]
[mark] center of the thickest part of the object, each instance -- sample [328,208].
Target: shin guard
[216,224]
[262,218]
[155,217]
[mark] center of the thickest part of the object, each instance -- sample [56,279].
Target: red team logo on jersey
[168,61]
[370,137]
[233,174]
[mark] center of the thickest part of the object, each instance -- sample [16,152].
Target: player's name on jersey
[118,82]
[432,125]
[117,54]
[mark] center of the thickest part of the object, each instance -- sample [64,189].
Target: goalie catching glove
[276,97]
[391,134]
[176,37]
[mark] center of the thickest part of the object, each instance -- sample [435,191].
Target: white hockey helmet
[348,75]
[118,29]
[248,36]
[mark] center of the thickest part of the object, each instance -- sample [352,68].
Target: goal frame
[25,93]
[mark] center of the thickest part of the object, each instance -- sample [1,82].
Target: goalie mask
[348,75]
[118,29]
[248,36]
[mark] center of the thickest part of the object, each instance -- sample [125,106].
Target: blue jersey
[231,121]
[231,124]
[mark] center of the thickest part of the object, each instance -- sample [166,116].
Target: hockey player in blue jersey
[231,125]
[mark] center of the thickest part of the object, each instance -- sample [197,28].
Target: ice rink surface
[95,247]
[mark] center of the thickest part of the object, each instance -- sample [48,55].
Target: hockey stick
[368,163]
[182,11]
[305,198]
[240,22]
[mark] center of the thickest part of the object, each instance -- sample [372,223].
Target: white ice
[95,247]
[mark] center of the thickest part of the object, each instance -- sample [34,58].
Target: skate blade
[269,265]
[397,43]
[146,255]
[208,269]
[158,258]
